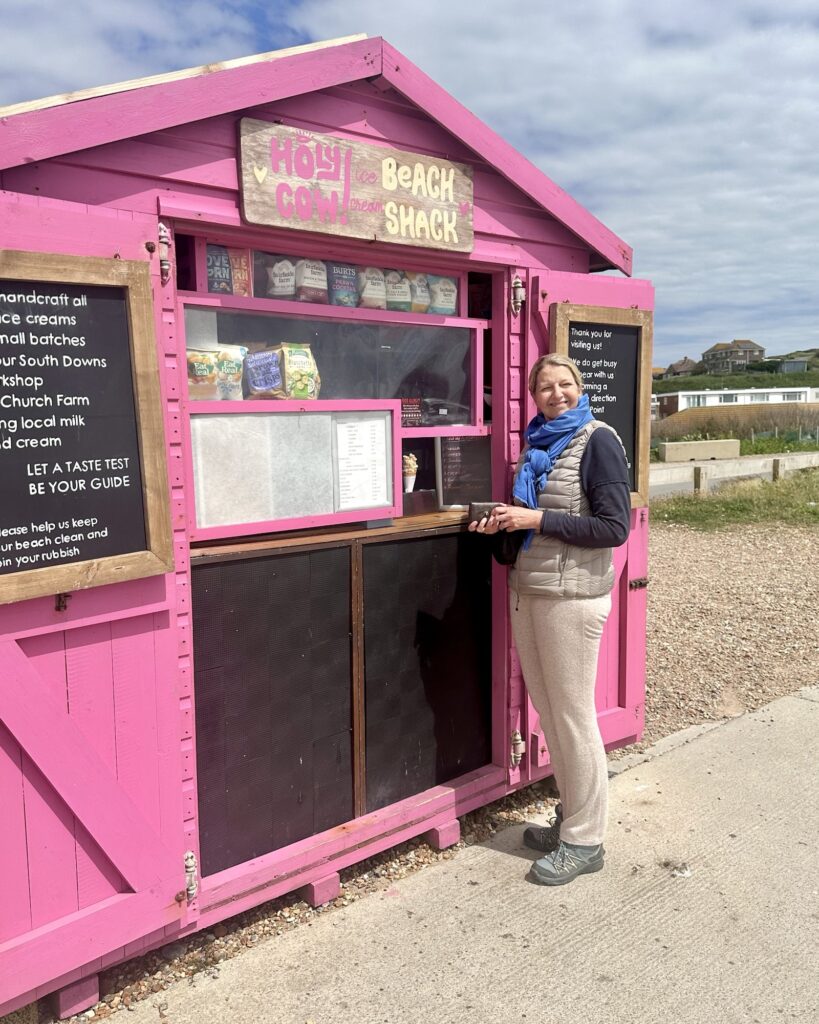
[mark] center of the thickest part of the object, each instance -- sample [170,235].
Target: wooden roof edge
[413,83]
[79,95]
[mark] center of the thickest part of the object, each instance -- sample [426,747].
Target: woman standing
[571,494]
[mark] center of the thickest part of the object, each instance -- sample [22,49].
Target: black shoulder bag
[506,544]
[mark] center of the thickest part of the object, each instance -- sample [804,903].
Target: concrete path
[707,912]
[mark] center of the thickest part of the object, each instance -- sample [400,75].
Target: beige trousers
[558,641]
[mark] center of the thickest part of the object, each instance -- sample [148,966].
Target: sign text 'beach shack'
[304,181]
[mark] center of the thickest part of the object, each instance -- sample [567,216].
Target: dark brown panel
[427,663]
[272,660]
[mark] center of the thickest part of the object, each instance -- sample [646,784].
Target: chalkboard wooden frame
[562,314]
[157,557]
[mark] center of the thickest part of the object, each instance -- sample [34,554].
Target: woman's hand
[509,517]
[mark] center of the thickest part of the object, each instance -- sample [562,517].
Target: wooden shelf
[427,524]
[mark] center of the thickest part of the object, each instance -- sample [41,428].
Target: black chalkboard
[463,469]
[72,488]
[607,355]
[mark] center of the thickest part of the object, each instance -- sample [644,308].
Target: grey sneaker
[544,838]
[566,863]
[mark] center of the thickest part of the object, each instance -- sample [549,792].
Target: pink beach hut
[235,302]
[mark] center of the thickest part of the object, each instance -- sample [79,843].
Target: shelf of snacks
[238,352]
[264,275]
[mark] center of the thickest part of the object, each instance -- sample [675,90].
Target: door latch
[638,584]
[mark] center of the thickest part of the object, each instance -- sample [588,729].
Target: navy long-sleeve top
[604,478]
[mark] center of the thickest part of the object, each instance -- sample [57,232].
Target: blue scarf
[545,441]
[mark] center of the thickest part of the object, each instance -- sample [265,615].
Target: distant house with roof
[678,401]
[732,356]
[682,368]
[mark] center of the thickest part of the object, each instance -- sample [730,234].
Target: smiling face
[556,391]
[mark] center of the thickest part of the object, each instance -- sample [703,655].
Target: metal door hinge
[518,748]
[164,235]
[638,584]
[191,876]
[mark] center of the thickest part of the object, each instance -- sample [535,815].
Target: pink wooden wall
[117,663]
[96,773]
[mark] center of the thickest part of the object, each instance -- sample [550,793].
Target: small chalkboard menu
[82,458]
[612,348]
[463,470]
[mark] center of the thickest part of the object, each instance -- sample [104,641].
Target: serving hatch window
[241,356]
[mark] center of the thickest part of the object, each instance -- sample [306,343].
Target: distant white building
[679,400]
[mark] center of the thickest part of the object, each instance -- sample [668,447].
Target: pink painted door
[620,687]
[92,853]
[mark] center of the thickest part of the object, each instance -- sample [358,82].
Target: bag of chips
[419,292]
[311,281]
[281,277]
[398,292]
[263,374]
[443,293]
[341,282]
[371,288]
[229,366]
[301,376]
[202,375]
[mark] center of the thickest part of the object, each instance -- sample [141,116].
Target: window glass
[428,367]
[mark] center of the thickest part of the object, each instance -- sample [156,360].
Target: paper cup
[409,483]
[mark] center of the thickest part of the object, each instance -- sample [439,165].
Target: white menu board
[271,468]
[362,461]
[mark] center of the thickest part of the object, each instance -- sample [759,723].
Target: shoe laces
[565,859]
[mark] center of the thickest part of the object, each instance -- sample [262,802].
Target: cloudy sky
[691,129]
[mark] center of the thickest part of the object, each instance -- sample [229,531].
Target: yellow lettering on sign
[433,182]
[391,217]
[448,184]
[406,221]
[419,181]
[388,178]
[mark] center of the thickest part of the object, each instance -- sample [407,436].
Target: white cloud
[50,48]
[688,128]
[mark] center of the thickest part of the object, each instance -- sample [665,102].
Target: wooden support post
[776,470]
[700,480]
[442,836]
[75,998]
[322,891]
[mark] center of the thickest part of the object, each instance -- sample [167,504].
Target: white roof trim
[171,76]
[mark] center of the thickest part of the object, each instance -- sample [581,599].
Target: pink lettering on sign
[311,161]
[328,162]
[308,204]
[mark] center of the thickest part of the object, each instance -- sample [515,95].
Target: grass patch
[776,445]
[793,500]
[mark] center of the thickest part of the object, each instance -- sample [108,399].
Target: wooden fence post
[700,480]
[776,470]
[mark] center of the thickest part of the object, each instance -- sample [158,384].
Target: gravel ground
[731,626]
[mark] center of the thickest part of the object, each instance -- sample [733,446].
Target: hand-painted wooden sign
[308,182]
[85,497]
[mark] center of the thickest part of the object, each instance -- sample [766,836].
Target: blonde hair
[554,359]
